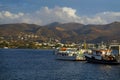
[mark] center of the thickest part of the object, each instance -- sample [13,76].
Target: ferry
[73,54]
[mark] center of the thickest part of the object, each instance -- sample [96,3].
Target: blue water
[29,64]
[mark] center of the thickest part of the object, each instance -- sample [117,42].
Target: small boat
[6,48]
[103,56]
[70,54]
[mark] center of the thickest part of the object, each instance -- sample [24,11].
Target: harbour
[35,64]
[59,40]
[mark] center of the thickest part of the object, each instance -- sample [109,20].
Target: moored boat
[70,54]
[103,56]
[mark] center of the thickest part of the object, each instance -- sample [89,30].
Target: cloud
[58,14]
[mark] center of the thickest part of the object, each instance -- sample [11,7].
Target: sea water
[33,64]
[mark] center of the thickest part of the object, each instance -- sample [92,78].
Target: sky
[44,12]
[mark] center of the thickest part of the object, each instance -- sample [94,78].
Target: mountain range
[65,32]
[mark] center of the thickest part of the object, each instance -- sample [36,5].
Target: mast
[85,45]
[119,49]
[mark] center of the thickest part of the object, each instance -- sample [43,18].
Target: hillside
[67,32]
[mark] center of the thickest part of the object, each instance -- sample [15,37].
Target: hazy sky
[46,11]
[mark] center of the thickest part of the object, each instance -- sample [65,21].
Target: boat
[73,54]
[103,56]
[6,47]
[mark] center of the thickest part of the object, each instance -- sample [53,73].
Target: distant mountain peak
[54,24]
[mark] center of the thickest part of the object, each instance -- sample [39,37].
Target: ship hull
[93,60]
[70,58]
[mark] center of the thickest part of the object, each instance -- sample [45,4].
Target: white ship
[70,54]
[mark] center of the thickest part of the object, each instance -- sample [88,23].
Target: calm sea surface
[29,64]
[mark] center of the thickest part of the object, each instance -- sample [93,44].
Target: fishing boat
[70,54]
[103,56]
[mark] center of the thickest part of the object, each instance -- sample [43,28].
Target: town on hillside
[30,42]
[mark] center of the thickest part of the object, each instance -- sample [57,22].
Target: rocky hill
[67,32]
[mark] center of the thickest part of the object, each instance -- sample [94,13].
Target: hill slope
[73,32]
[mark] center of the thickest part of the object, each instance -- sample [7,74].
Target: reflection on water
[25,64]
[106,67]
